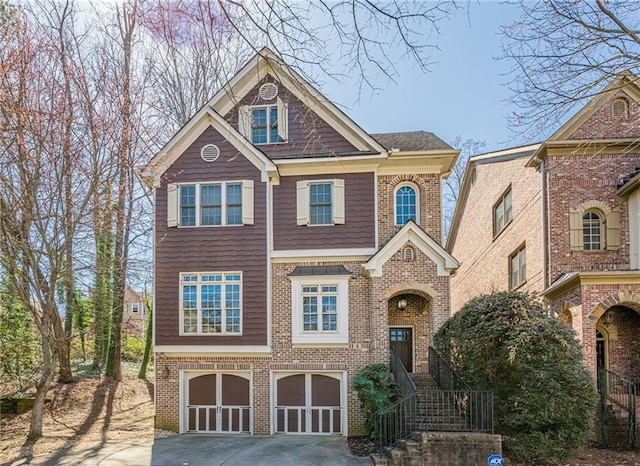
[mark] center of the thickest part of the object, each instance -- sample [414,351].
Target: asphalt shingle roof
[411,141]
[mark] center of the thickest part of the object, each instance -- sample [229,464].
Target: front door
[401,341]
[218,403]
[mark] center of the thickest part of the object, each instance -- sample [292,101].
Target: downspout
[545,226]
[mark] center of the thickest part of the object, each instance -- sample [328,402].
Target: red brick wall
[602,125]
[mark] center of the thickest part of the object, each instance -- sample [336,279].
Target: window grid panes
[518,268]
[188,206]
[406,205]
[320,308]
[264,125]
[211,303]
[591,233]
[234,204]
[320,204]
[502,213]
[211,204]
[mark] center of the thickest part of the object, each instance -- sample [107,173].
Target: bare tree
[565,52]
[329,39]
[38,157]
[452,185]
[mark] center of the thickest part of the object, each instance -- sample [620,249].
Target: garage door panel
[291,391]
[202,390]
[325,391]
[235,390]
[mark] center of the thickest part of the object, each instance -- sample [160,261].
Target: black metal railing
[622,393]
[406,385]
[443,373]
[454,408]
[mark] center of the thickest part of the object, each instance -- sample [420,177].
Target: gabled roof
[629,184]
[412,141]
[265,62]
[446,265]
[205,117]
[624,80]
[489,157]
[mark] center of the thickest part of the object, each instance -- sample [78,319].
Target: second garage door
[309,404]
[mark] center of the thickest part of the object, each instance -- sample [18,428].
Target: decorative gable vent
[268,91]
[409,255]
[620,108]
[210,153]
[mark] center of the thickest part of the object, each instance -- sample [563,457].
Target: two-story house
[292,249]
[562,218]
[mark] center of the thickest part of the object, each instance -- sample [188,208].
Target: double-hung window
[210,204]
[518,267]
[264,124]
[320,202]
[320,309]
[502,212]
[211,303]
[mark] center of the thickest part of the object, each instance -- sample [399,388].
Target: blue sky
[464,94]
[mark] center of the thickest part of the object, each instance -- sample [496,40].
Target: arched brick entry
[626,298]
[409,322]
[618,321]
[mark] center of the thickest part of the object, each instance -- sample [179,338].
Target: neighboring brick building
[562,218]
[292,249]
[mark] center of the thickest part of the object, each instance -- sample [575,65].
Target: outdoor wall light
[402,303]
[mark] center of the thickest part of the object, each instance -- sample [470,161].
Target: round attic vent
[210,153]
[268,91]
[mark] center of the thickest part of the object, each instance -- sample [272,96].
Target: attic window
[268,91]
[620,108]
[409,255]
[474,176]
[210,153]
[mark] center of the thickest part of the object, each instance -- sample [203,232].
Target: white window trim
[199,306]
[174,213]
[395,203]
[135,308]
[341,336]
[303,201]
[245,126]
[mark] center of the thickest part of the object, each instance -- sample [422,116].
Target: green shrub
[375,390]
[132,348]
[544,397]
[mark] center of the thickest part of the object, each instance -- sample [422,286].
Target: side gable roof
[489,157]
[205,117]
[445,263]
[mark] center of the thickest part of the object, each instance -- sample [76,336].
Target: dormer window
[406,203]
[264,124]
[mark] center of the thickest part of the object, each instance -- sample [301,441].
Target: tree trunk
[148,341]
[46,378]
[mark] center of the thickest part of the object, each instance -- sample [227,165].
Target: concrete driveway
[209,450]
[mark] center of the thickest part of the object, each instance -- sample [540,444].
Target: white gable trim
[191,131]
[446,265]
[268,63]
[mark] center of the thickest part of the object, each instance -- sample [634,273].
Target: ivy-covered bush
[375,390]
[544,397]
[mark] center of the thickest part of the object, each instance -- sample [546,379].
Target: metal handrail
[622,393]
[434,411]
[443,373]
[403,380]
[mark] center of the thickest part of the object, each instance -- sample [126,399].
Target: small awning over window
[308,270]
